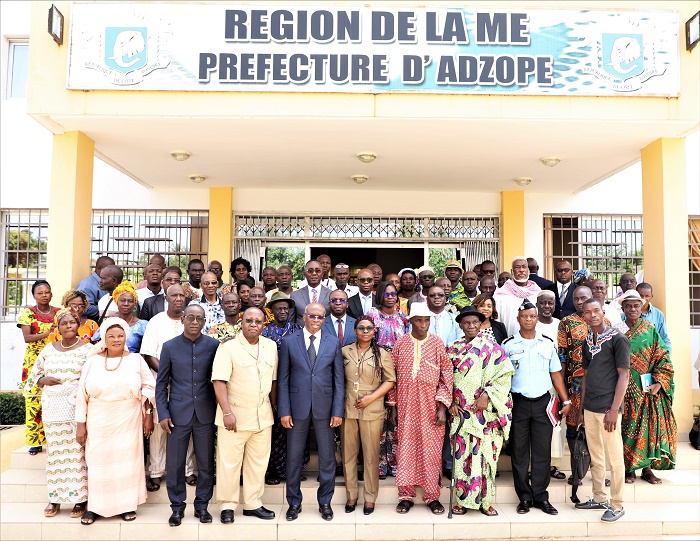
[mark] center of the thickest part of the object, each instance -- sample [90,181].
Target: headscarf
[125,287]
[581,275]
[64,313]
[74,294]
[101,346]
[407,269]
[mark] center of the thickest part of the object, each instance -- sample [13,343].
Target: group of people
[411,375]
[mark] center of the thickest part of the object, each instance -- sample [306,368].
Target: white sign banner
[352,48]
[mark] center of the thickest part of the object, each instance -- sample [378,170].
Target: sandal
[78,510]
[272,480]
[88,518]
[557,474]
[35,450]
[128,516]
[436,507]
[404,507]
[649,477]
[191,480]
[459,510]
[152,484]
[571,481]
[52,510]
[630,477]
[490,512]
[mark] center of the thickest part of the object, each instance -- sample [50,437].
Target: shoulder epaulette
[547,337]
[385,348]
[507,339]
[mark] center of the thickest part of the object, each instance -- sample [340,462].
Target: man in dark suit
[339,324]
[359,304]
[312,292]
[311,387]
[188,410]
[534,268]
[156,304]
[563,290]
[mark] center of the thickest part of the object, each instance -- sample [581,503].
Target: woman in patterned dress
[77,301]
[492,329]
[391,324]
[36,323]
[57,370]
[482,381]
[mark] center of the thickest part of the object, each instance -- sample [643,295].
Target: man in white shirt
[311,293]
[341,273]
[326,280]
[110,278]
[161,328]
[153,275]
[359,305]
[442,323]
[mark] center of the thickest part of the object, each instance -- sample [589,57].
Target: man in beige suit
[243,372]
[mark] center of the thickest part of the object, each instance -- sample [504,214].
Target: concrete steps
[667,511]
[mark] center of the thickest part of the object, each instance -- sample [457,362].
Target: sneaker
[612,514]
[591,504]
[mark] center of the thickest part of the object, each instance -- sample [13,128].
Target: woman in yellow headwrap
[125,297]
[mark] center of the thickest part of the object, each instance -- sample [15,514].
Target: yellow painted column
[70,212]
[666,257]
[221,226]
[512,227]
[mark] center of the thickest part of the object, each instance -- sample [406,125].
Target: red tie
[314,298]
[340,332]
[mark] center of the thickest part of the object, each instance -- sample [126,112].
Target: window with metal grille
[130,237]
[607,245]
[694,269]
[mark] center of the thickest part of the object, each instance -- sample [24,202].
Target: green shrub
[11,408]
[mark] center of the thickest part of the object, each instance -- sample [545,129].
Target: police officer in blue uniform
[537,367]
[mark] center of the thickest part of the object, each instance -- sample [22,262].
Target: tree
[23,249]
[438,258]
[291,257]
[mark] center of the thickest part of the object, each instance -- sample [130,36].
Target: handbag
[582,462]
[694,434]
[58,402]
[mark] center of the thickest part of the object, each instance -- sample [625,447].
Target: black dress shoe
[350,508]
[367,510]
[326,512]
[204,516]
[176,518]
[546,507]
[260,512]
[293,512]
[524,507]
[227,516]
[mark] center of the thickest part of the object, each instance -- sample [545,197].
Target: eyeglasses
[342,266]
[426,276]
[314,316]
[172,280]
[198,319]
[365,280]
[389,295]
[215,283]
[563,270]
[436,295]
[338,301]
[362,328]
[251,321]
[314,271]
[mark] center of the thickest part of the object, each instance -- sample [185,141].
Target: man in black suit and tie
[339,323]
[359,305]
[534,268]
[156,304]
[312,292]
[188,409]
[563,290]
[311,387]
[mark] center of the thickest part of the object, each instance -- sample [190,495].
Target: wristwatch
[149,411]
[566,402]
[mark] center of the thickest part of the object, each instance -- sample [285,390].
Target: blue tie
[312,351]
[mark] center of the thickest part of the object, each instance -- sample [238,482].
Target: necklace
[131,318]
[77,339]
[42,312]
[118,364]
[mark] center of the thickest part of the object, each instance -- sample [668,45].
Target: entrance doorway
[389,259]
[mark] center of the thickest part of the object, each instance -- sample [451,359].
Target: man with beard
[510,297]
[193,287]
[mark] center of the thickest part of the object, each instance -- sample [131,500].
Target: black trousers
[176,455]
[531,447]
[296,443]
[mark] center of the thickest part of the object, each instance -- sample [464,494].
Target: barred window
[694,269]
[607,245]
[130,237]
